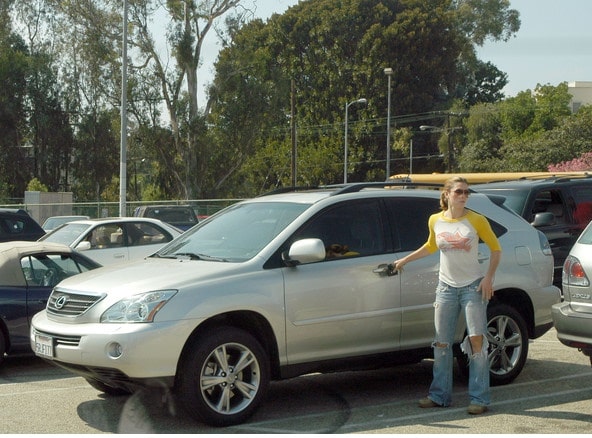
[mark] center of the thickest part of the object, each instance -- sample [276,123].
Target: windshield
[236,234]
[66,234]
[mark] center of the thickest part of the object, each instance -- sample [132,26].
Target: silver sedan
[573,316]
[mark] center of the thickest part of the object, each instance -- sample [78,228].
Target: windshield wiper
[194,256]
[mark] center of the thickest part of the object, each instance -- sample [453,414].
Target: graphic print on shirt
[448,241]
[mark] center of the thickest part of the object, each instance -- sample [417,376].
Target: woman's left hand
[486,288]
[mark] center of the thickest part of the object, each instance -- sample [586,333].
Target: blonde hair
[448,184]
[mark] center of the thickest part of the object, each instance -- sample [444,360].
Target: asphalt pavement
[553,394]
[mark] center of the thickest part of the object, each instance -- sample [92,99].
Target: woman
[456,231]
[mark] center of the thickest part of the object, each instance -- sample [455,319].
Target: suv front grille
[66,340]
[70,304]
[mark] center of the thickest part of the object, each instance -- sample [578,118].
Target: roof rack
[340,189]
[356,187]
[288,189]
[557,177]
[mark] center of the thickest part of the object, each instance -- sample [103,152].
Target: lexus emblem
[61,302]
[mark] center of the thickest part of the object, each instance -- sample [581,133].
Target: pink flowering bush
[582,163]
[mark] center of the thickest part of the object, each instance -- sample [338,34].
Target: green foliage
[36,186]
[525,133]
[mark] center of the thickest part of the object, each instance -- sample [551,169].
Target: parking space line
[392,421]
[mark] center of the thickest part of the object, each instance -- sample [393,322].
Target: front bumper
[112,352]
[574,329]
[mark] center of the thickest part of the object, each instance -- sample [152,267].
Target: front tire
[223,377]
[508,344]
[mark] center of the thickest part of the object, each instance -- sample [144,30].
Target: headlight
[138,308]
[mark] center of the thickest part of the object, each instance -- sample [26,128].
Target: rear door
[107,244]
[408,218]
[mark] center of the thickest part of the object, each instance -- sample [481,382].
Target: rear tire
[508,345]
[223,377]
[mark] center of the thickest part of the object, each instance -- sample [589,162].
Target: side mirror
[543,219]
[304,251]
[83,246]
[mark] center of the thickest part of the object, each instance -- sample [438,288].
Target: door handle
[387,269]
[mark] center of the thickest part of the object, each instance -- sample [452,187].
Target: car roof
[11,273]
[107,220]
[311,195]
[18,211]
[527,184]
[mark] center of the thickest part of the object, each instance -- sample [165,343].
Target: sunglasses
[462,192]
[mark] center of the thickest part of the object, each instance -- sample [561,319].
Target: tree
[14,70]
[335,52]
[526,132]
[96,154]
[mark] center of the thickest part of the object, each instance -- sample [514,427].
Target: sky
[553,45]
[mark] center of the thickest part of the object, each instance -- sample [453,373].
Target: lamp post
[388,72]
[347,105]
[448,131]
[123,110]
[410,156]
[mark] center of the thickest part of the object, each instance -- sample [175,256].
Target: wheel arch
[249,321]
[521,302]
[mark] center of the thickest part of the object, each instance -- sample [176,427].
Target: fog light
[114,350]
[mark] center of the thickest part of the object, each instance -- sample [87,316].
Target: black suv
[560,207]
[180,216]
[16,224]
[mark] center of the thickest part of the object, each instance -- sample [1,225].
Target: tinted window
[550,201]
[582,205]
[409,218]
[19,227]
[347,229]
[409,221]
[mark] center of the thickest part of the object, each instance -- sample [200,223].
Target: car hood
[149,274]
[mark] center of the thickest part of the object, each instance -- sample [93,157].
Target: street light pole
[347,105]
[388,72]
[123,110]
[448,130]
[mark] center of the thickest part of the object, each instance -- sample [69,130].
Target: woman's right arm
[423,251]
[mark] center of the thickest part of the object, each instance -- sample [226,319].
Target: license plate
[44,346]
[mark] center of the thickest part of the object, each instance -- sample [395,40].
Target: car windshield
[236,234]
[66,234]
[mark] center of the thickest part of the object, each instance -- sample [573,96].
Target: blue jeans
[450,301]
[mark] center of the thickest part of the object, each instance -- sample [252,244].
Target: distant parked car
[573,316]
[51,223]
[16,224]
[28,273]
[114,240]
[180,216]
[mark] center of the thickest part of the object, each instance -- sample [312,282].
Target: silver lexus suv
[282,285]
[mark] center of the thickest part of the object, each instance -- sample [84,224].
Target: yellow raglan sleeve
[486,234]
[431,244]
